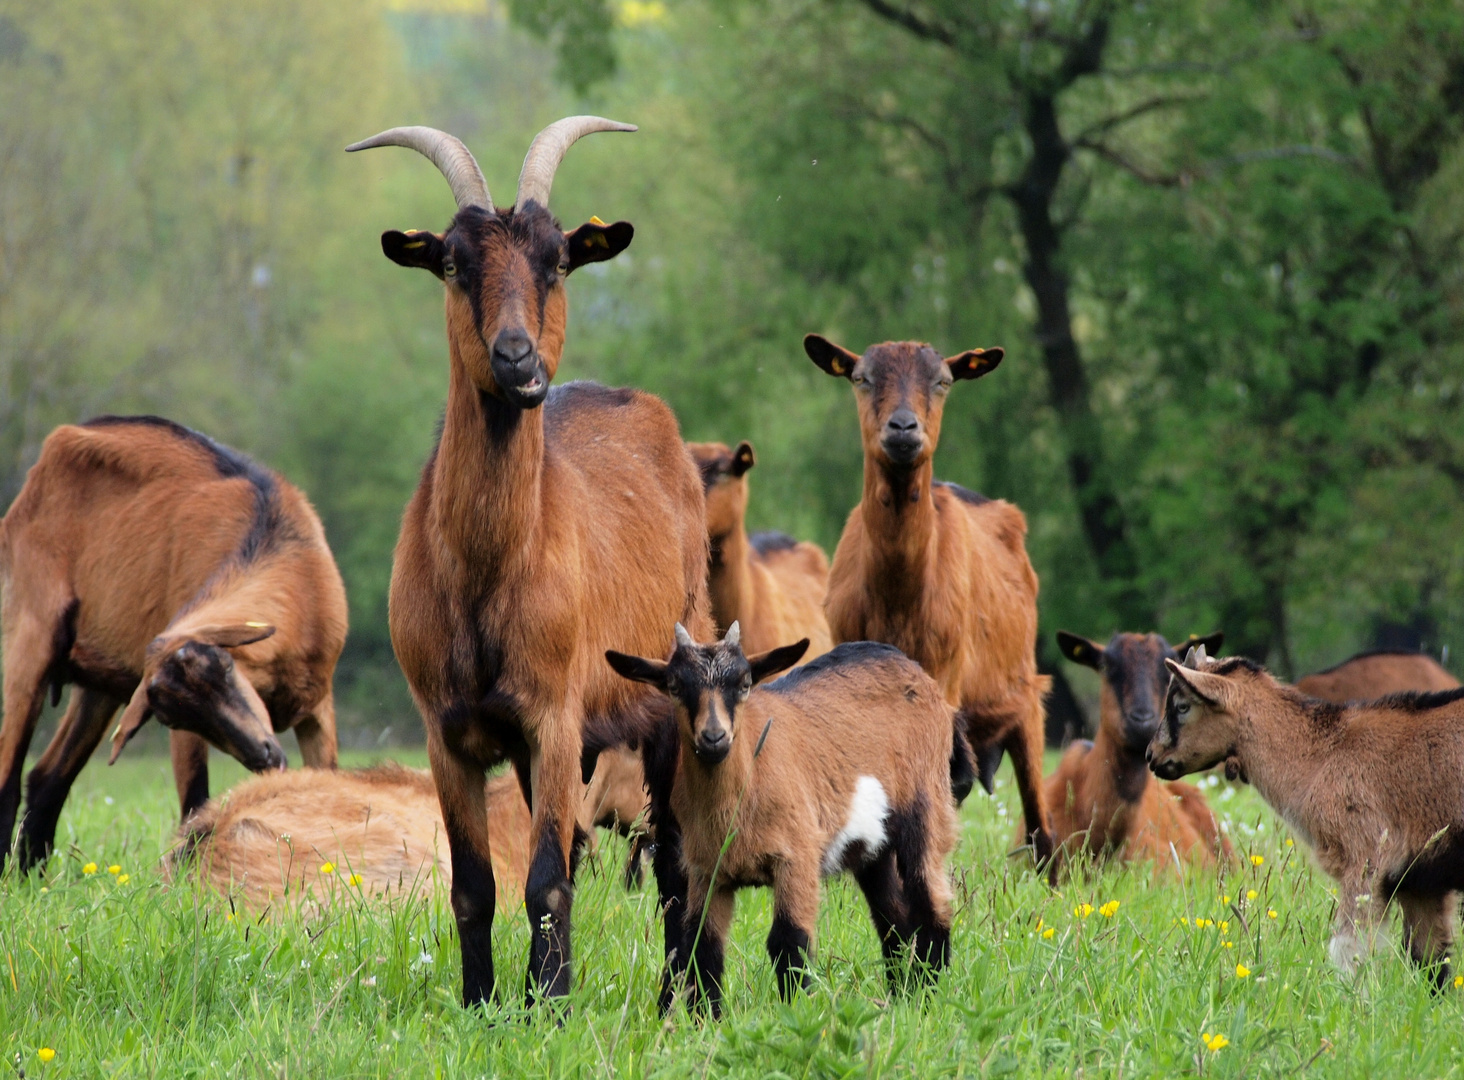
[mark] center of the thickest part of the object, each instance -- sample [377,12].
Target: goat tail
[963,763]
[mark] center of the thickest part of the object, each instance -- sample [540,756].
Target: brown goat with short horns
[938,571]
[150,566]
[547,527]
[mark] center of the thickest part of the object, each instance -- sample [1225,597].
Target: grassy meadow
[122,974]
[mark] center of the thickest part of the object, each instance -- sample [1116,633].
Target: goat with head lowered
[548,526]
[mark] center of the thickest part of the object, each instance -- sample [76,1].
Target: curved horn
[734,634]
[683,638]
[446,152]
[547,151]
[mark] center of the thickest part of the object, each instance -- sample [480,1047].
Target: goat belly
[863,835]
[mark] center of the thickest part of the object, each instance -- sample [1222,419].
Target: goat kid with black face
[547,527]
[151,567]
[1375,788]
[842,764]
[938,571]
[1102,797]
[769,584]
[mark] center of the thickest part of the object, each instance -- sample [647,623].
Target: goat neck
[730,578]
[1279,745]
[898,510]
[714,791]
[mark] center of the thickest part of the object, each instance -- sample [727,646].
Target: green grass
[143,979]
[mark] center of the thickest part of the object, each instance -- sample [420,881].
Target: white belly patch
[866,823]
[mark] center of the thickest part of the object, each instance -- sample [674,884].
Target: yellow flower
[229,917]
[45,1053]
[327,868]
[1258,860]
[1290,842]
[1047,934]
[355,879]
[1224,899]
[1215,1043]
[123,879]
[89,868]
[1109,909]
[114,869]
[1228,944]
[1082,911]
[1458,981]
[1241,971]
[1270,913]
[1251,894]
[1224,926]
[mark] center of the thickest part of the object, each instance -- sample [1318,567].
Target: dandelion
[123,879]
[1270,913]
[1047,934]
[1241,971]
[1109,910]
[1224,898]
[1228,944]
[1251,894]
[355,879]
[1224,926]
[327,868]
[89,868]
[45,1053]
[1258,860]
[1214,1043]
[1458,981]
[114,869]
[1082,911]
[1290,842]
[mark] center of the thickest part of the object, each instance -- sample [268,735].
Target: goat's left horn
[683,638]
[447,152]
[734,634]
[548,150]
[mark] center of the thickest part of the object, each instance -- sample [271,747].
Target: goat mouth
[711,755]
[530,394]
[902,451]
[1166,770]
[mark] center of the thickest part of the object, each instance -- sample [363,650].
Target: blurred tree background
[1219,239]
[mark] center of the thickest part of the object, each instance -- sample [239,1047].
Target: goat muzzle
[711,748]
[519,370]
[903,439]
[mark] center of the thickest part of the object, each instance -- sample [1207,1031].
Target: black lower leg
[788,948]
[704,987]
[547,899]
[881,886]
[473,897]
[931,936]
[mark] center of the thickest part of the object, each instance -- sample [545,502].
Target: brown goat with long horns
[1102,797]
[1375,787]
[547,527]
[938,571]
[771,585]
[150,566]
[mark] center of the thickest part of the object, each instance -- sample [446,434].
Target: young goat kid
[1372,675]
[150,566]
[1376,788]
[1102,797]
[769,584]
[842,764]
[547,527]
[938,571]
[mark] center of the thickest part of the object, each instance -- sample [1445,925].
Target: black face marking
[193,690]
[1133,667]
[704,670]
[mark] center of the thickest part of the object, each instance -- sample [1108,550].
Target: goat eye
[449,268]
[1181,707]
[563,267]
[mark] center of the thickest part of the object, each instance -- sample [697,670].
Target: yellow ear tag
[596,221]
[598,240]
[415,244]
[256,625]
[837,366]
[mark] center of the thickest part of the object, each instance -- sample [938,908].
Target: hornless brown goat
[936,570]
[148,565]
[1376,788]
[537,539]
[379,829]
[842,764]
[1101,796]
[1372,675]
[769,584]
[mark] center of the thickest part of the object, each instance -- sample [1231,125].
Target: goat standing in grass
[1376,788]
[842,764]
[1102,798]
[150,566]
[938,571]
[771,585]
[1372,675]
[547,527]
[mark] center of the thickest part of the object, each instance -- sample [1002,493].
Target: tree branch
[921,28]
[1113,157]
[1102,127]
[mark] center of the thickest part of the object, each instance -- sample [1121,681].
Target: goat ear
[594,241]
[1080,650]
[233,635]
[1211,643]
[765,665]
[419,250]
[638,668]
[834,359]
[1211,689]
[133,717]
[974,363]
[743,458]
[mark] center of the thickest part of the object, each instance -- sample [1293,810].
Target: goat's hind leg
[49,783]
[1024,743]
[885,894]
[1428,931]
[927,893]
[30,651]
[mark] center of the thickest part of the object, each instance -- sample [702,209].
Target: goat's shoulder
[995,519]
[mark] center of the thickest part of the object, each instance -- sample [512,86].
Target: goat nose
[902,421]
[512,346]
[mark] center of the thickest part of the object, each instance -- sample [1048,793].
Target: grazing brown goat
[1376,788]
[1372,675]
[547,527]
[769,584]
[842,764]
[150,566]
[1102,797]
[379,830]
[938,571]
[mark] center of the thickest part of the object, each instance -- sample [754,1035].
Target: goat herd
[562,574]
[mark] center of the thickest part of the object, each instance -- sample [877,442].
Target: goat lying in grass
[1376,788]
[1101,795]
[842,764]
[1371,675]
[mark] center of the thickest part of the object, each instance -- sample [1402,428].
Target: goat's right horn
[683,638]
[446,152]
[734,634]
[548,150]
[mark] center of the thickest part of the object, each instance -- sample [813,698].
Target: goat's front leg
[459,784]
[660,753]
[1352,929]
[706,939]
[795,919]
[316,734]
[190,770]
[1428,931]
[554,769]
